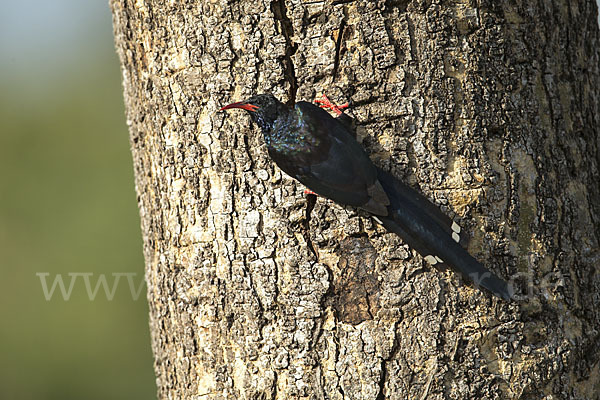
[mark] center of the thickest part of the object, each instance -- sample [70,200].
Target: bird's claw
[326,103]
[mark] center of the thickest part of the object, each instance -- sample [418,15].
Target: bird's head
[264,109]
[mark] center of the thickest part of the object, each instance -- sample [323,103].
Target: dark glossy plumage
[310,145]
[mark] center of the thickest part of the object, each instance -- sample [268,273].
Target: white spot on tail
[455,227]
[456,237]
[431,260]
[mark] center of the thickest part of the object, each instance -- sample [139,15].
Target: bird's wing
[340,169]
[450,226]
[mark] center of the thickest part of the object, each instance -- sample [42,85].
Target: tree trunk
[490,108]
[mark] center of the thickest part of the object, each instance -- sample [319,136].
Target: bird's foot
[326,103]
[308,191]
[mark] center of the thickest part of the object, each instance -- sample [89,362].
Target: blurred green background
[67,205]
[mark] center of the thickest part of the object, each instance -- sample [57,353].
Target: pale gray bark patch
[490,108]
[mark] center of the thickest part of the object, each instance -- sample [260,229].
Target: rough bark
[489,107]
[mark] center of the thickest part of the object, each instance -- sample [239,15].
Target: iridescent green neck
[290,135]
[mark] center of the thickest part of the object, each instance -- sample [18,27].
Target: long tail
[431,233]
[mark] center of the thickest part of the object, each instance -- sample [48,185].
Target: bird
[320,151]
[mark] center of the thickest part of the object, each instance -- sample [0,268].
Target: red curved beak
[240,104]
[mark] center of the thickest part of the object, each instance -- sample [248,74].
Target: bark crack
[395,347]
[279,10]
[311,200]
[338,46]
